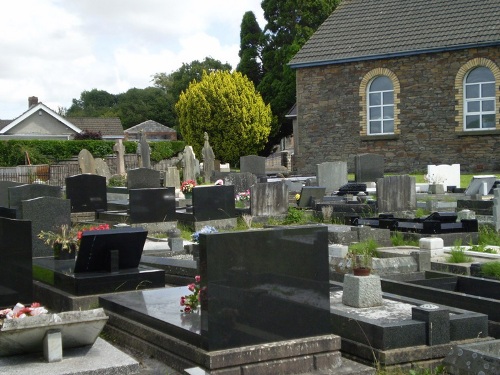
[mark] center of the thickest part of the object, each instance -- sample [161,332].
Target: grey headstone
[142,178]
[241,181]
[208,159]
[172,178]
[396,193]
[269,199]
[368,167]
[4,191]
[30,191]
[189,164]
[496,209]
[86,162]
[332,175]
[253,164]
[47,214]
[102,168]
[144,150]
[480,185]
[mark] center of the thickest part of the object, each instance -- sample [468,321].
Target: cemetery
[245,272]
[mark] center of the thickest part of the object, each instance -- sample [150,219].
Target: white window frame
[381,106]
[479,99]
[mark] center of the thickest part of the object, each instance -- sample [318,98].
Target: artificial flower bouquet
[191,301]
[187,186]
[195,237]
[20,311]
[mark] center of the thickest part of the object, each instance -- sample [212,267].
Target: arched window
[479,99]
[380,106]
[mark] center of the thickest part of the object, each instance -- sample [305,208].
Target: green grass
[491,269]
[457,254]
[488,236]
[398,239]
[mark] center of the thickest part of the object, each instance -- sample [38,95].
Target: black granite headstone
[47,214]
[152,205]
[9,213]
[213,202]
[97,249]
[30,191]
[264,286]
[87,192]
[16,281]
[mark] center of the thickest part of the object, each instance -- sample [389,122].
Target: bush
[491,269]
[457,254]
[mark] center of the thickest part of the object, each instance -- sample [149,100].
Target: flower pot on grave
[361,271]
[188,195]
[60,254]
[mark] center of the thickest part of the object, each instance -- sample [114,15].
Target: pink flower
[187,309]
[197,278]
[191,287]
[183,301]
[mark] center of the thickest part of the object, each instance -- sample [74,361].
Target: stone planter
[436,189]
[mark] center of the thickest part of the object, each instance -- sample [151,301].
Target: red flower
[197,278]
[187,309]
[35,304]
[191,287]
[183,301]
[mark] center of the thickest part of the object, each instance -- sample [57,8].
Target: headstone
[30,191]
[47,214]
[4,191]
[102,168]
[16,282]
[144,151]
[175,241]
[241,181]
[172,178]
[269,199]
[213,202]
[253,164]
[86,162]
[217,165]
[310,193]
[152,205]
[480,185]
[208,159]
[368,167]
[119,150]
[496,209]
[396,193]
[332,175]
[189,164]
[98,246]
[272,283]
[448,175]
[141,178]
[225,167]
[87,193]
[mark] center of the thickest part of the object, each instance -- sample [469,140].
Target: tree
[93,103]
[289,25]
[251,42]
[227,107]
[175,83]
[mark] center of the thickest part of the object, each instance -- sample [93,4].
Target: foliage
[491,269]
[488,236]
[175,83]
[132,107]
[296,216]
[251,41]
[482,248]
[165,150]
[457,254]
[398,239]
[227,107]
[361,253]
[421,212]
[68,237]
[289,25]
[192,300]
[117,181]
[87,134]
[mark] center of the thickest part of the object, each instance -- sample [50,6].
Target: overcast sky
[55,49]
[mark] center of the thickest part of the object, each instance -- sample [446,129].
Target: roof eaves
[391,55]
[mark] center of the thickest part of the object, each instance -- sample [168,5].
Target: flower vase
[59,254]
[188,195]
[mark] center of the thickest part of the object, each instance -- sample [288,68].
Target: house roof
[108,126]
[150,126]
[375,29]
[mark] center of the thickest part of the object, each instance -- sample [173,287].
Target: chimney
[32,101]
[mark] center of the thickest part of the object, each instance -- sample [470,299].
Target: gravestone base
[229,223]
[157,227]
[82,217]
[362,291]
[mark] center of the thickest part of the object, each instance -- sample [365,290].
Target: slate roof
[150,126]
[111,126]
[375,29]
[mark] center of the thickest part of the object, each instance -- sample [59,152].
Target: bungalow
[416,81]
[153,131]
[40,122]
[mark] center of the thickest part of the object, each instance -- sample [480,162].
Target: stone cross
[119,150]
[208,159]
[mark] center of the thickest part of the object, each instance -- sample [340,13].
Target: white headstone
[448,175]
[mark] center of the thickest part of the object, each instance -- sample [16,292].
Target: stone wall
[329,115]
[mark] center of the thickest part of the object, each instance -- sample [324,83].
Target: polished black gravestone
[259,287]
[210,203]
[16,282]
[152,205]
[308,194]
[108,261]
[87,192]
